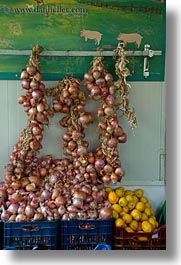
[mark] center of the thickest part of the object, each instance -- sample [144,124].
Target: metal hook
[147,60]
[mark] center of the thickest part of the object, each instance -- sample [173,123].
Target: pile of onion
[62,194]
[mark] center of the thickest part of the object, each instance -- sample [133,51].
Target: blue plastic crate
[1,234]
[27,235]
[85,234]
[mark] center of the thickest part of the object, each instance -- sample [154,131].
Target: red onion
[31,69]
[60,200]
[25,84]
[80,194]
[21,218]
[38,216]
[112,142]
[13,208]
[5,215]
[88,77]
[78,202]
[61,210]
[34,85]
[45,195]
[36,94]
[24,74]
[29,211]
[105,213]
[53,179]
[16,197]
[99,164]
[110,99]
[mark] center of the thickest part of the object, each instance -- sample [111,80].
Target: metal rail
[80,53]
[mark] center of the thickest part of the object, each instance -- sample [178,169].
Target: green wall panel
[56,26]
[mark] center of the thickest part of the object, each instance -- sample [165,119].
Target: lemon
[144,217]
[131,205]
[135,198]
[146,227]
[143,238]
[129,229]
[152,221]
[108,189]
[128,192]
[144,199]
[134,225]
[148,205]
[119,191]
[127,218]
[120,222]
[116,207]
[126,209]
[148,211]
[113,197]
[136,214]
[139,227]
[122,213]
[139,193]
[115,215]
[123,202]
[129,198]
[140,206]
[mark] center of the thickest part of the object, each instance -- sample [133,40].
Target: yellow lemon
[123,202]
[148,211]
[143,238]
[139,227]
[126,209]
[146,227]
[144,199]
[128,192]
[129,198]
[116,207]
[139,193]
[131,205]
[148,205]
[113,197]
[127,218]
[140,206]
[136,214]
[134,225]
[144,217]
[122,213]
[108,189]
[135,198]
[115,215]
[120,222]
[129,229]
[120,191]
[152,221]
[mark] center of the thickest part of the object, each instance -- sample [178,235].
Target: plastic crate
[1,234]
[85,234]
[27,235]
[140,240]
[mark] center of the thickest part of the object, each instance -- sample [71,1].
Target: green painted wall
[56,25]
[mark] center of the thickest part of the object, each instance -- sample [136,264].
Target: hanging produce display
[74,187]
[122,85]
[101,87]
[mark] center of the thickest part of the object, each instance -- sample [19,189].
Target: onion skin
[105,213]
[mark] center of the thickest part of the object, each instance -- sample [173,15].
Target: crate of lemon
[136,226]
